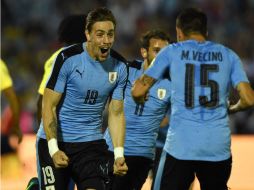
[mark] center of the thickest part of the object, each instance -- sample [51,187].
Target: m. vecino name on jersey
[201,56]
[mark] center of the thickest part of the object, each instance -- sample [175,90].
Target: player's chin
[103,57]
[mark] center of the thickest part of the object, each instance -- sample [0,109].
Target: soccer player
[70,31]
[13,136]
[142,120]
[201,72]
[70,142]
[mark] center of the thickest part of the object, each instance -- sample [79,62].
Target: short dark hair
[192,20]
[72,29]
[97,15]
[156,33]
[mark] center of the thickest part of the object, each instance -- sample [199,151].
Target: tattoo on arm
[52,129]
[146,80]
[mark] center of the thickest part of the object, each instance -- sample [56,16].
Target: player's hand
[140,99]
[120,167]
[60,159]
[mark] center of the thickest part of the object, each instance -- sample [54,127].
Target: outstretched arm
[141,87]
[116,122]
[49,105]
[246,98]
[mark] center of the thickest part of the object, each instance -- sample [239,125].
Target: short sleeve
[58,78]
[118,93]
[160,64]
[237,72]
[47,71]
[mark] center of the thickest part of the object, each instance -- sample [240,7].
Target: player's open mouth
[104,50]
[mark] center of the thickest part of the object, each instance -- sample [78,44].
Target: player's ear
[87,35]
[179,34]
[143,52]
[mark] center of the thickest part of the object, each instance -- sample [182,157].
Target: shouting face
[100,39]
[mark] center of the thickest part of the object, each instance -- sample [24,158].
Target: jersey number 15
[204,82]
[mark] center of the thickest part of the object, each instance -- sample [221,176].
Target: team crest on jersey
[112,77]
[161,93]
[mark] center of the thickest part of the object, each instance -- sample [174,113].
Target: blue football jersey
[85,85]
[143,121]
[201,75]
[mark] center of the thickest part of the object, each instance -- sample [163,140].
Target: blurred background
[29,37]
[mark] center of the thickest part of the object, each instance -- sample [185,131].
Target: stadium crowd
[28,38]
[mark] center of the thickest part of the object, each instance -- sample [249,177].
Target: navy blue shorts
[88,165]
[138,168]
[175,174]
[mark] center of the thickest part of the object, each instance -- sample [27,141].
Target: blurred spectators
[28,35]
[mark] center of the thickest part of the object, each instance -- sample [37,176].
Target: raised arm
[141,87]
[49,105]
[246,101]
[116,123]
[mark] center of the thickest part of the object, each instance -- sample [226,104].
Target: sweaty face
[155,46]
[100,39]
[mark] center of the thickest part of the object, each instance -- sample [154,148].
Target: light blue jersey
[201,75]
[143,121]
[85,85]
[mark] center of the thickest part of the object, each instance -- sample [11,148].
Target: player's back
[206,69]
[201,74]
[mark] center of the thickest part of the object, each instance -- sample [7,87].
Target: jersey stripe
[61,58]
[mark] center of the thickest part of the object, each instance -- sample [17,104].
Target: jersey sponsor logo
[80,73]
[161,93]
[112,77]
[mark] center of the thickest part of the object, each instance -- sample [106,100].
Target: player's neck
[196,37]
[145,65]
[90,51]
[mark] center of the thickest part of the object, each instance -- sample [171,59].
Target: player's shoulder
[67,53]
[165,82]
[49,62]
[71,51]
[174,45]
[135,64]
[226,51]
